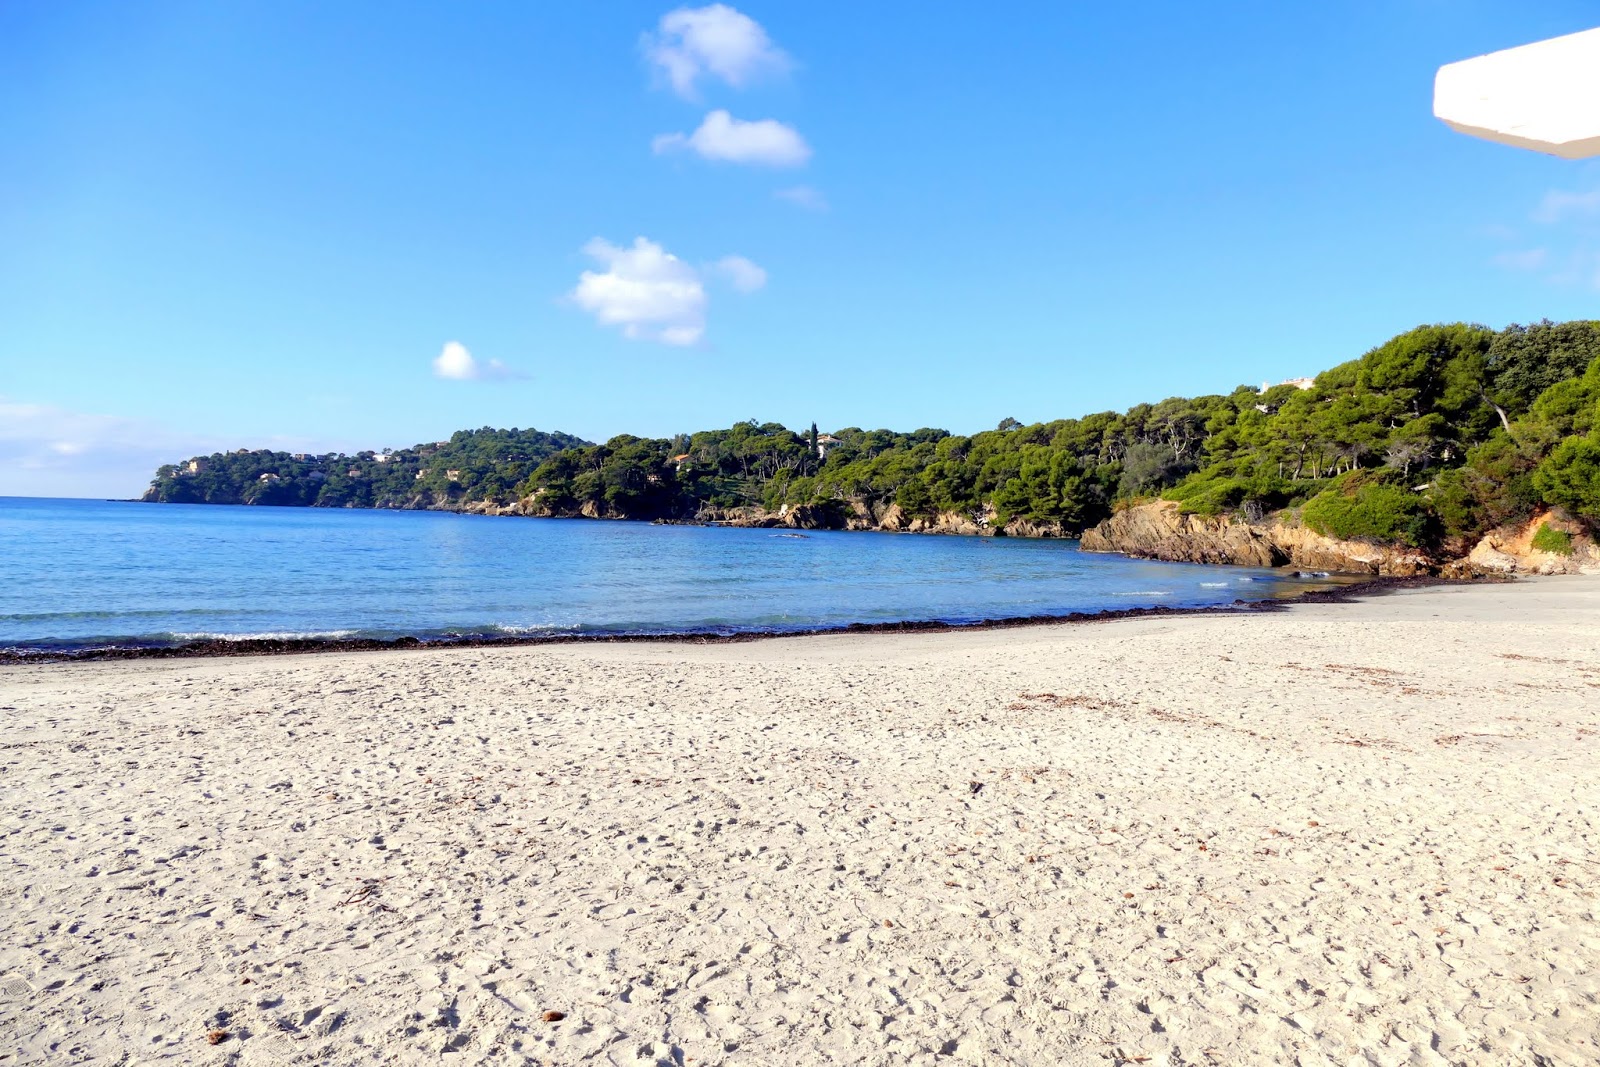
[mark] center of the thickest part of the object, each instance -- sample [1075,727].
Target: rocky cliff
[889,518]
[1512,551]
[854,515]
[1159,530]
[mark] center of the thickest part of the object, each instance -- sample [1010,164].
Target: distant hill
[1428,440]
[481,464]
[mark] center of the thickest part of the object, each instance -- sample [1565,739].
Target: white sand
[1342,834]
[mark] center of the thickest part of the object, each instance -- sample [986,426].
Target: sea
[86,574]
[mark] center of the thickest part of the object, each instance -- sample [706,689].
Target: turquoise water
[79,574]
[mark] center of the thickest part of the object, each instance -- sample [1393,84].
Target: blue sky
[262,224]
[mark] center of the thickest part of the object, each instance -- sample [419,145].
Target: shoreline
[221,648]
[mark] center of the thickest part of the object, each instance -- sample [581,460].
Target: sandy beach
[1343,833]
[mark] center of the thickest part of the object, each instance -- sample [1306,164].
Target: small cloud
[1578,268]
[457,364]
[740,273]
[649,292]
[1526,259]
[1559,204]
[652,294]
[716,40]
[803,196]
[1565,239]
[766,142]
[53,451]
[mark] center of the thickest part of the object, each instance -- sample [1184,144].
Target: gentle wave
[264,635]
[496,629]
[126,613]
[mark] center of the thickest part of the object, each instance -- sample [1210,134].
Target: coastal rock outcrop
[798,517]
[830,515]
[887,518]
[1309,549]
[1160,530]
[979,524]
[1512,550]
[489,507]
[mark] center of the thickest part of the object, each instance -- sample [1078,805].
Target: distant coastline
[1441,445]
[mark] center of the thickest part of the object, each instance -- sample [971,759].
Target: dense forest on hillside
[1440,433]
[473,464]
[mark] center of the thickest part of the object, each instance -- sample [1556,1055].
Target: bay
[78,574]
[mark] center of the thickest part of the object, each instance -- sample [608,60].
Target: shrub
[914,498]
[1457,505]
[1207,496]
[1213,493]
[1570,476]
[1496,486]
[1372,512]
[1550,539]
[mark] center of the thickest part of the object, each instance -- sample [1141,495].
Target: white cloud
[1564,247]
[649,292]
[1559,204]
[716,40]
[1525,259]
[740,273]
[454,361]
[803,196]
[767,142]
[52,451]
[458,364]
[1580,267]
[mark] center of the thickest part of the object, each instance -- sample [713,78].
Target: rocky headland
[1161,530]
[840,515]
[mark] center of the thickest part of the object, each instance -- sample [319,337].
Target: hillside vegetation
[1429,439]
[487,465]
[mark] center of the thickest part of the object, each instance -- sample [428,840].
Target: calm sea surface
[78,573]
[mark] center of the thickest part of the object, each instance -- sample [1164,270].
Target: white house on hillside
[1298,383]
